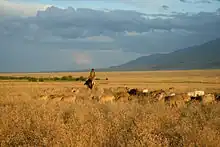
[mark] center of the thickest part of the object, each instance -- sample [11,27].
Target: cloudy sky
[81,34]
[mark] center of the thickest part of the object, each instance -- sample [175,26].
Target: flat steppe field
[187,80]
[26,119]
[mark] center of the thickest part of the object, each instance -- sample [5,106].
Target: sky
[82,34]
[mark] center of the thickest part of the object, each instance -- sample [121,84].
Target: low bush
[34,79]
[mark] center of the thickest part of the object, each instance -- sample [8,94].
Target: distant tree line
[41,79]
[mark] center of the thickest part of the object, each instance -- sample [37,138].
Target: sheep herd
[125,94]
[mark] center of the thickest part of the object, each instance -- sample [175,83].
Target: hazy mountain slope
[205,56]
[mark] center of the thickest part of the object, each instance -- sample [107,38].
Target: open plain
[181,80]
[46,113]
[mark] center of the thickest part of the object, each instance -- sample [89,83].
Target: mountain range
[204,56]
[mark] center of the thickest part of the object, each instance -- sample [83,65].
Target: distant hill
[204,56]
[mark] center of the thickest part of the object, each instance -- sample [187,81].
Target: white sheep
[196,93]
[172,94]
[145,91]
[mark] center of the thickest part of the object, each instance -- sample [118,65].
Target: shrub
[55,79]
[64,78]
[31,79]
[41,80]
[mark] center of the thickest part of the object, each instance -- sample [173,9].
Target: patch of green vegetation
[34,79]
[97,79]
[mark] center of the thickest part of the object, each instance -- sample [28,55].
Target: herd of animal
[125,94]
[179,99]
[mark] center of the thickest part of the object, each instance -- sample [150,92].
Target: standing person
[91,77]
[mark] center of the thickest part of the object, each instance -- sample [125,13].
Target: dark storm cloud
[71,23]
[165,7]
[197,1]
[24,39]
[59,25]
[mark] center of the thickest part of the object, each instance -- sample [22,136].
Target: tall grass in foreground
[35,123]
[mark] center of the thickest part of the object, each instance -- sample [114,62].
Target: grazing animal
[145,91]
[69,99]
[133,92]
[170,91]
[89,83]
[161,96]
[158,94]
[197,98]
[172,94]
[217,97]
[106,98]
[196,93]
[44,97]
[120,89]
[136,92]
[74,90]
[122,96]
[51,98]
[177,100]
[96,93]
[171,88]
[208,98]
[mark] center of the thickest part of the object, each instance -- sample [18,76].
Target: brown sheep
[122,96]
[157,94]
[69,99]
[177,100]
[106,98]
[208,98]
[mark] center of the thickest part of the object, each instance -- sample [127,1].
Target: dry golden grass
[27,121]
[208,80]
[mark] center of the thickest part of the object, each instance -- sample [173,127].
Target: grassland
[27,121]
[181,80]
